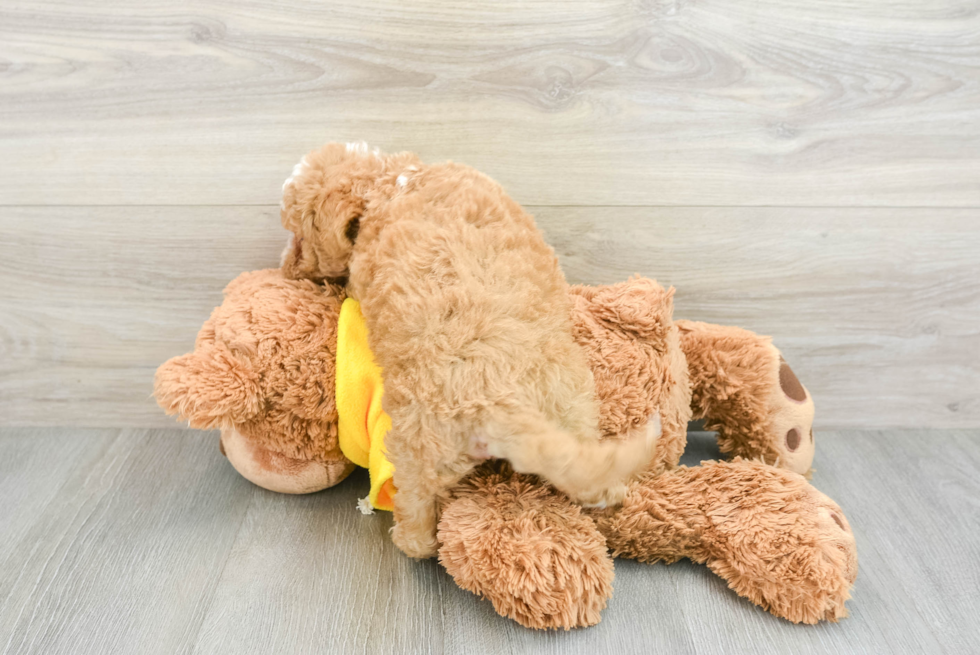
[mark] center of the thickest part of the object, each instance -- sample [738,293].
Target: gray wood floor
[146,541]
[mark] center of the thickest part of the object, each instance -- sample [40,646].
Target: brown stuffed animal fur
[262,372]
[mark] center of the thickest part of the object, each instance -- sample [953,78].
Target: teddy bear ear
[209,388]
[639,305]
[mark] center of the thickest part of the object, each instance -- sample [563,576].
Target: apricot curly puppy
[469,318]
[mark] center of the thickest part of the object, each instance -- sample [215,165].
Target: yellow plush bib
[362,424]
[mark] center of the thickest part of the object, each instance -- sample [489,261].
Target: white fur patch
[362,148]
[298,170]
[404,177]
[364,505]
[654,428]
[287,249]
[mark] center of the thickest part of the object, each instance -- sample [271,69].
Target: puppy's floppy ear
[353,227]
[210,388]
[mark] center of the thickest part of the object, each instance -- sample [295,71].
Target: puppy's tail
[590,471]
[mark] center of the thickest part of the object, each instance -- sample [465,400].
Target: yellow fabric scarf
[362,424]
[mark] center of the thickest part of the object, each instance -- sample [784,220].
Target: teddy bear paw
[835,541]
[529,550]
[801,570]
[791,422]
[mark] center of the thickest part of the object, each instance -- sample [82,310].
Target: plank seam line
[206,611]
[274,206]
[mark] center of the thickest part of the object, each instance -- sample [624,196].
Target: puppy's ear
[209,388]
[353,227]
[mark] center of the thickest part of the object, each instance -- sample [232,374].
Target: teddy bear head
[263,370]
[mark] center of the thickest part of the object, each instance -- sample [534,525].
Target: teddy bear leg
[746,392]
[277,472]
[527,548]
[774,538]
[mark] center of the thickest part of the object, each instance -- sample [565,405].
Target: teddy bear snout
[278,472]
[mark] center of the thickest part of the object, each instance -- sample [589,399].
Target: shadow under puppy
[468,315]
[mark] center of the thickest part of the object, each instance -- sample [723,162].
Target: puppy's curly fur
[469,317]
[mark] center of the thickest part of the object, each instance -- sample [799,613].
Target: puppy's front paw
[414,544]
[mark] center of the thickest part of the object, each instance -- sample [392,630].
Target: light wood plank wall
[806,170]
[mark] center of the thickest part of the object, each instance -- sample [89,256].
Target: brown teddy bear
[263,372]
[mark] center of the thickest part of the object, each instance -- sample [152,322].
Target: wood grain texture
[149,542]
[125,551]
[613,102]
[877,309]
[806,170]
[311,573]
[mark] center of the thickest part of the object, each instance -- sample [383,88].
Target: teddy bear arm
[744,390]
[660,520]
[525,547]
[774,538]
